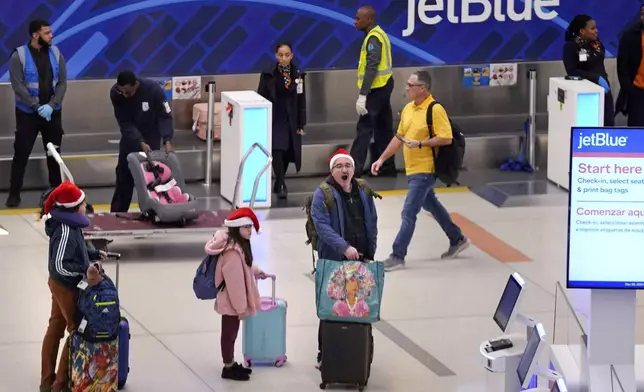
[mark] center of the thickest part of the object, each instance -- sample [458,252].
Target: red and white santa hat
[341,153]
[243,216]
[66,195]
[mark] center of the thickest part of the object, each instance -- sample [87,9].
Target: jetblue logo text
[515,10]
[601,140]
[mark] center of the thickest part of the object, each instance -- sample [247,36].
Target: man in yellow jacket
[376,84]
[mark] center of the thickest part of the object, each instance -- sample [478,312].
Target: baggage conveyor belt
[93,157]
[104,226]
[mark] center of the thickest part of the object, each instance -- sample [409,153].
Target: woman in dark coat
[583,56]
[630,71]
[283,84]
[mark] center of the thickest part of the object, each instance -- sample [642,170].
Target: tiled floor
[435,312]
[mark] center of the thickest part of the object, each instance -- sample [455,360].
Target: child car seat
[159,185]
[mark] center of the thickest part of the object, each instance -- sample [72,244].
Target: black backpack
[448,160]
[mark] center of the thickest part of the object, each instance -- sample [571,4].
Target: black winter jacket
[591,69]
[629,57]
[289,110]
[68,255]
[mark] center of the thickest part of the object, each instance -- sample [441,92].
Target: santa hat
[243,216]
[341,153]
[66,195]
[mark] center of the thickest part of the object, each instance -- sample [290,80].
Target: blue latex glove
[45,112]
[602,82]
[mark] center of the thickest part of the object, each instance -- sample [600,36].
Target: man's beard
[43,43]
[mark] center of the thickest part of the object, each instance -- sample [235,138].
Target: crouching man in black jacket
[145,120]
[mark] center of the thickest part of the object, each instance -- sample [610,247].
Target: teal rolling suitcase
[264,335]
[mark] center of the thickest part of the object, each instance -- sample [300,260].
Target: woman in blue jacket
[69,259]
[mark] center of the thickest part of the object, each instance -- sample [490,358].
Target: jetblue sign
[602,139]
[163,38]
[478,11]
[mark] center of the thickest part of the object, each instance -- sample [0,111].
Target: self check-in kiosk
[515,355]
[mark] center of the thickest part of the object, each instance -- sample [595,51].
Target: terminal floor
[435,312]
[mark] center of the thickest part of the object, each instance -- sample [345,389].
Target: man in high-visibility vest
[376,84]
[38,77]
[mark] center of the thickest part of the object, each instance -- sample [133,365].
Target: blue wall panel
[182,37]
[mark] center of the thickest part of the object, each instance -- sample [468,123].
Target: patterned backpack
[100,308]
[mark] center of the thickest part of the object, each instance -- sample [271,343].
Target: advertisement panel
[193,37]
[606,214]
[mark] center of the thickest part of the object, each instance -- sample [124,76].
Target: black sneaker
[13,201]
[234,373]
[242,369]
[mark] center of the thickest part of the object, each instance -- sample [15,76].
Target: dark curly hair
[577,23]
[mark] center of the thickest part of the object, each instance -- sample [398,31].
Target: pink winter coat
[240,297]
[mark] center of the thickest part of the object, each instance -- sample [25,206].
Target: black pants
[124,181]
[378,123]
[635,107]
[28,125]
[280,166]
[609,110]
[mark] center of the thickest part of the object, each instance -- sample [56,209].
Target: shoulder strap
[328,194]
[430,126]
[430,118]
[364,185]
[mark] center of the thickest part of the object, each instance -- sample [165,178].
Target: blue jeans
[421,194]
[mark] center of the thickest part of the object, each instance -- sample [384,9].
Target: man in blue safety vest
[38,77]
[376,84]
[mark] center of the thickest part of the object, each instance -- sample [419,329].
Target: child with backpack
[69,260]
[235,274]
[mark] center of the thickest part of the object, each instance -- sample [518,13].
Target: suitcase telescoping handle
[117,257]
[272,278]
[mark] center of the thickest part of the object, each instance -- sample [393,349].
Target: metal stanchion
[532,126]
[211,87]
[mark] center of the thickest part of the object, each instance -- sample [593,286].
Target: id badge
[300,86]
[583,57]
[82,284]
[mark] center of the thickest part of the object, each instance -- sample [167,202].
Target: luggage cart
[104,227]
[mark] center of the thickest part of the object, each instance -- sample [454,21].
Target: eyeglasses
[340,166]
[410,85]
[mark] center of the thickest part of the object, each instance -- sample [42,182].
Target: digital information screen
[606,208]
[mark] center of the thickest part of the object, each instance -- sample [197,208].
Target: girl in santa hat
[239,298]
[69,260]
